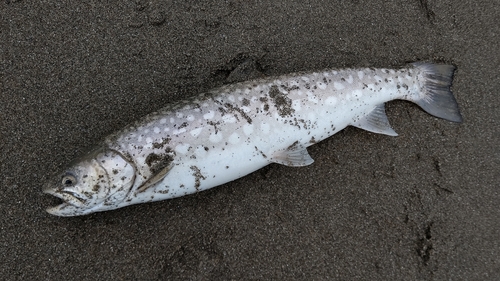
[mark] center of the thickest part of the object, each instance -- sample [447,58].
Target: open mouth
[68,200]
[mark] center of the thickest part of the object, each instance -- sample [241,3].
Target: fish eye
[68,180]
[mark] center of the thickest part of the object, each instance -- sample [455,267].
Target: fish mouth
[72,204]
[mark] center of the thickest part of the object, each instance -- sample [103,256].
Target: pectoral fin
[155,178]
[295,155]
[376,122]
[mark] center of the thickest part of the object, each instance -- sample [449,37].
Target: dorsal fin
[376,122]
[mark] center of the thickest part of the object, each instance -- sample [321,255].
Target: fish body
[231,131]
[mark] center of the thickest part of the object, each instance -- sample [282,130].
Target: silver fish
[229,132]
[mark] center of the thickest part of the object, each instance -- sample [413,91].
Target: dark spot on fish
[214,124]
[313,141]
[163,191]
[398,86]
[240,111]
[206,148]
[183,125]
[342,79]
[281,101]
[198,176]
[157,145]
[158,162]
[266,107]
[405,86]
[386,81]
[217,101]
[246,102]
[96,188]
[324,80]
[293,145]
[222,110]
[304,123]
[263,99]
[288,89]
[227,167]
[260,151]
[115,171]
[307,86]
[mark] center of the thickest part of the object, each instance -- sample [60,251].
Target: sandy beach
[420,206]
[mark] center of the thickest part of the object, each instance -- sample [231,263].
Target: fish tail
[436,97]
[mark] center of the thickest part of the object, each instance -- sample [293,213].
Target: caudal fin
[437,98]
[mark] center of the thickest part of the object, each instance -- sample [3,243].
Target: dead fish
[231,131]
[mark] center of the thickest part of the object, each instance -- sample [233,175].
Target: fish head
[99,181]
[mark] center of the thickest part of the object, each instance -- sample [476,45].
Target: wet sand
[420,206]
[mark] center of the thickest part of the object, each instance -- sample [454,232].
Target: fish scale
[231,131]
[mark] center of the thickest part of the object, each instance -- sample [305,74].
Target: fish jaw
[64,210]
[67,210]
[71,206]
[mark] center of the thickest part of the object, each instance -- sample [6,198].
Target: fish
[228,132]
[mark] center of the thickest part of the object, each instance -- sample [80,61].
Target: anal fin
[376,122]
[295,155]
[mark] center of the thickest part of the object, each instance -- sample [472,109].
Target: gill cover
[98,182]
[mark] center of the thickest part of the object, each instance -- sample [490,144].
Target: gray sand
[421,206]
